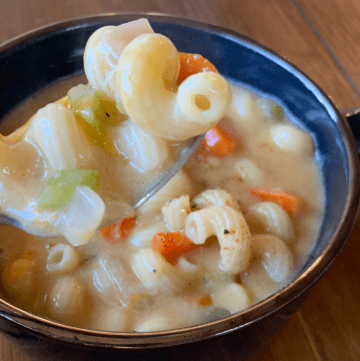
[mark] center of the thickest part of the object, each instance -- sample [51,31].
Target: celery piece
[54,197]
[278,112]
[97,113]
[98,137]
[61,186]
[96,108]
[104,109]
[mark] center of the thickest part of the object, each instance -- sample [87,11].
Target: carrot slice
[218,142]
[205,301]
[290,202]
[119,231]
[192,64]
[172,245]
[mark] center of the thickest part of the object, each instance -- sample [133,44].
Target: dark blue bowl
[33,61]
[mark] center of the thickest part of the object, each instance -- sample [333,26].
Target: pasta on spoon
[87,152]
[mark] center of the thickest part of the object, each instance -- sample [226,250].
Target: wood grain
[326,327]
[341,34]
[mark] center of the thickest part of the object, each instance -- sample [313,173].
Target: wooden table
[323,39]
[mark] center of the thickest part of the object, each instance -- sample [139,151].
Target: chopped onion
[81,217]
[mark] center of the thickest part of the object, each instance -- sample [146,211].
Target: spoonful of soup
[109,145]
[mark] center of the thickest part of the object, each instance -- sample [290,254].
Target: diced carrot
[119,231]
[218,142]
[290,202]
[205,300]
[172,245]
[192,64]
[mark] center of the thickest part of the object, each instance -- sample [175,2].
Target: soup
[227,231]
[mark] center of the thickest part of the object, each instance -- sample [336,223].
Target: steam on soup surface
[228,230]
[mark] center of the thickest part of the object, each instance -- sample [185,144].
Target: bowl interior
[38,59]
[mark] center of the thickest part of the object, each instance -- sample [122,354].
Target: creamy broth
[111,288]
[231,228]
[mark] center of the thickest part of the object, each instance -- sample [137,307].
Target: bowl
[37,59]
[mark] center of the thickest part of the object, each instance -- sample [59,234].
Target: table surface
[323,39]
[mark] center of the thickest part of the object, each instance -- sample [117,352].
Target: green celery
[96,113]
[61,186]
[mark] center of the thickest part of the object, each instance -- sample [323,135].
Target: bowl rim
[258,311]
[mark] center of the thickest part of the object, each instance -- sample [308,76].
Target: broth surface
[128,286]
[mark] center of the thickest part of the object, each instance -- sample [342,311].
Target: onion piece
[81,217]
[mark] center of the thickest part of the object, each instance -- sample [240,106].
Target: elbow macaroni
[106,278]
[141,72]
[67,300]
[271,218]
[249,172]
[158,275]
[155,322]
[176,211]
[292,140]
[62,258]
[215,197]
[103,49]
[230,228]
[147,74]
[275,256]
[232,297]
[144,151]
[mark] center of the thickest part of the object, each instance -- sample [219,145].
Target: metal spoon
[150,186]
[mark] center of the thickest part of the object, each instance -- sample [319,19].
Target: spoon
[149,187]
